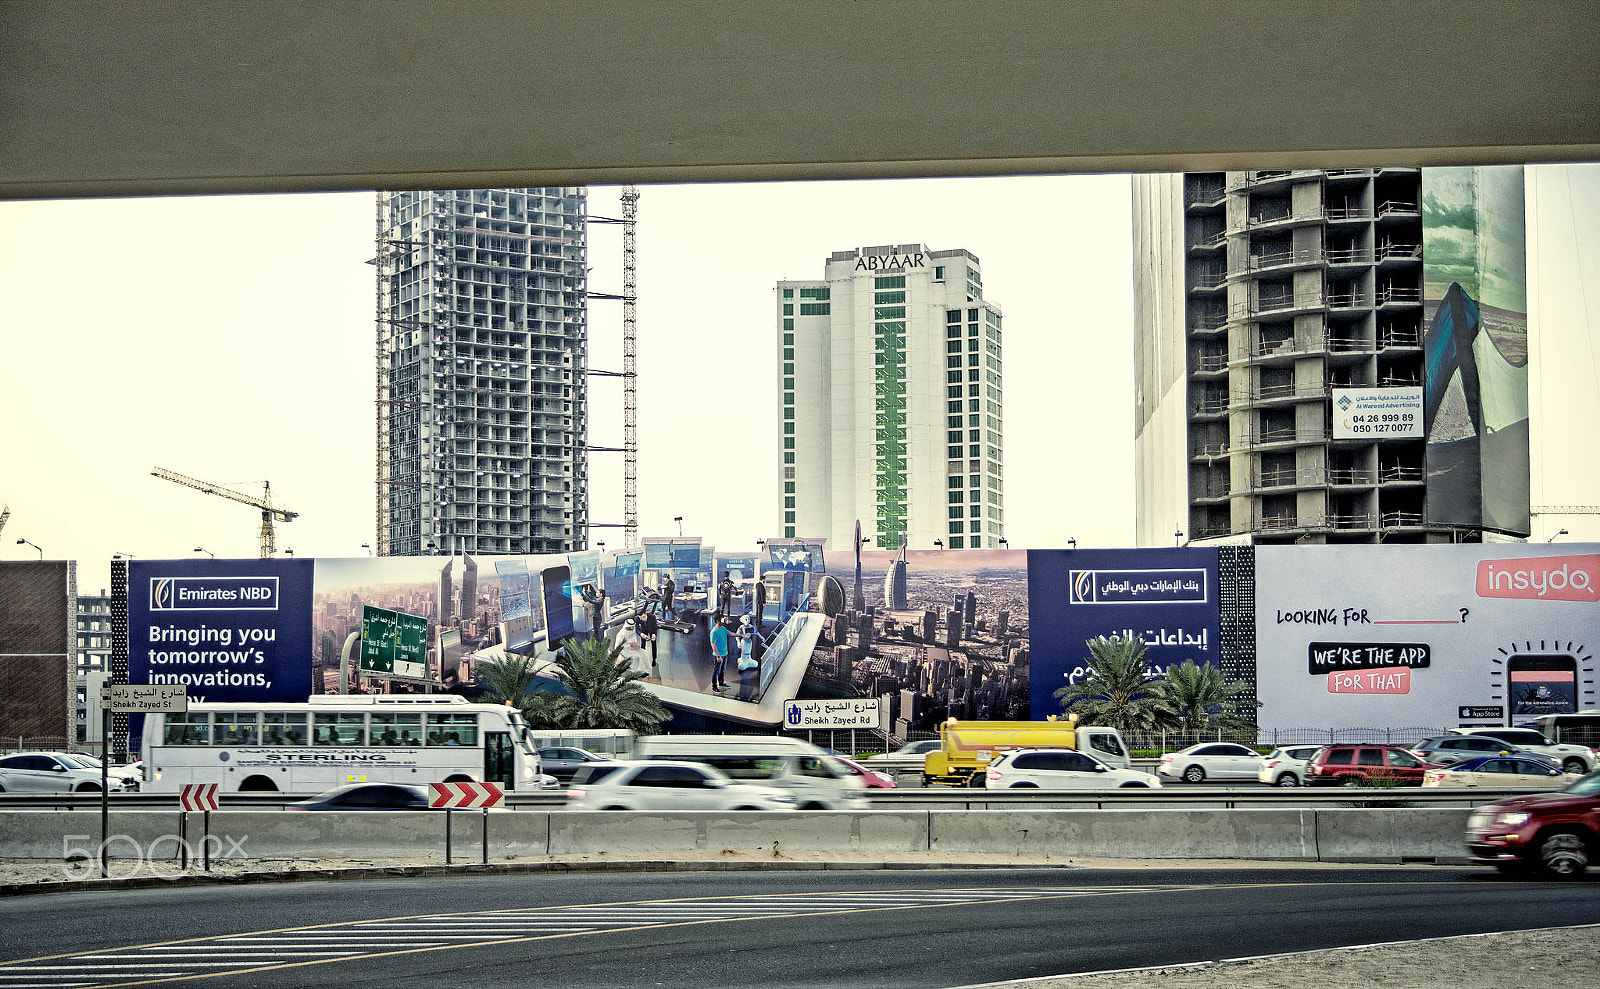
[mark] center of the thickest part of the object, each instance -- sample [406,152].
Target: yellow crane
[269,511]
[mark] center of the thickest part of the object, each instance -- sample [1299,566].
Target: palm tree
[506,681]
[1201,697]
[604,691]
[1119,691]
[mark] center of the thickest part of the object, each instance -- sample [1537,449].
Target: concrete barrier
[1330,835]
[885,832]
[1401,834]
[1158,834]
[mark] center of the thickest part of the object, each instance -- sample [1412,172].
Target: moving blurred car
[1211,760]
[662,785]
[51,772]
[1501,772]
[1442,750]
[1555,832]
[1286,766]
[367,796]
[1352,765]
[909,757]
[562,761]
[870,778]
[1572,758]
[131,775]
[1061,769]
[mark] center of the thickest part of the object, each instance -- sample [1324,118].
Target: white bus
[335,739]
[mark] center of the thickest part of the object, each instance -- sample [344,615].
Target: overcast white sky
[231,339]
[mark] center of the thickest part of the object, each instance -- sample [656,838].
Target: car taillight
[992,775]
[1272,764]
[577,794]
[1313,769]
[1166,758]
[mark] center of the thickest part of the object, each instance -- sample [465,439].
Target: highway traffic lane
[891,928]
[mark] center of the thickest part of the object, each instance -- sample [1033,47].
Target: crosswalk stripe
[355,939]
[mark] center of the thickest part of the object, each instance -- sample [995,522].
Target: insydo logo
[1541,578]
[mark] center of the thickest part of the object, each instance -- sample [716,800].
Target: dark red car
[1557,832]
[1343,764]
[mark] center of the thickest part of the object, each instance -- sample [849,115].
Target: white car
[668,786]
[51,772]
[1571,758]
[908,757]
[1061,769]
[1286,766]
[1211,761]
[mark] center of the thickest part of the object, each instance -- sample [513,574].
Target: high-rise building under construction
[890,384]
[482,359]
[1335,355]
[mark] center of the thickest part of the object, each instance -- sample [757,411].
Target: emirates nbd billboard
[228,630]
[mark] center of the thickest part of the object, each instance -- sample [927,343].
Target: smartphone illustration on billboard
[555,584]
[1542,685]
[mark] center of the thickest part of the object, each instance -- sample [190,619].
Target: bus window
[452,729]
[409,729]
[233,728]
[339,729]
[278,728]
[187,729]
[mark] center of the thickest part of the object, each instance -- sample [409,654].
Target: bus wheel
[458,778]
[258,784]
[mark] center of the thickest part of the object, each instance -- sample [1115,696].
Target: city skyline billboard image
[940,634]
[1425,636]
[1475,347]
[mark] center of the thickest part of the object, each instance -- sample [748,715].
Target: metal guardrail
[1177,796]
[226,801]
[902,798]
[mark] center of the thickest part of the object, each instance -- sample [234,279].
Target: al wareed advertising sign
[228,630]
[1167,598]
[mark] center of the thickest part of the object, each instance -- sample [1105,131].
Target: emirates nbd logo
[213,593]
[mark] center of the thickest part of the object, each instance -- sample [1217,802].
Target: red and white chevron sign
[198,796]
[457,796]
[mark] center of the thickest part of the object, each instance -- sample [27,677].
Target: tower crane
[269,512]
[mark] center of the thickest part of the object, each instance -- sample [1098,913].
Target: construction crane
[269,512]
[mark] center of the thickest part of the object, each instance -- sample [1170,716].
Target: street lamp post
[202,549]
[1558,535]
[1073,543]
[1177,536]
[21,542]
[367,547]
[939,543]
[1004,544]
[679,519]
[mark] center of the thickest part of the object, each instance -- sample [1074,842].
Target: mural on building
[1475,308]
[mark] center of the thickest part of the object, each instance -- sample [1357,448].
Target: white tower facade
[890,379]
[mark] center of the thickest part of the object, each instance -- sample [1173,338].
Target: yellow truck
[967,747]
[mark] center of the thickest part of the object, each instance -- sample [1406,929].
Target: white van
[817,781]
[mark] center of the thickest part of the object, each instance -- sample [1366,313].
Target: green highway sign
[393,644]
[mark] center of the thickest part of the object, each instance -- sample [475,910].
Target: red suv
[1558,831]
[1338,765]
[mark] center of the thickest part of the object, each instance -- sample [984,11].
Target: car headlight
[1511,819]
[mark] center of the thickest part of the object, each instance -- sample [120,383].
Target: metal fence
[1275,737]
[40,743]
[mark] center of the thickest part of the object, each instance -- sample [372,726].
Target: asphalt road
[813,929]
